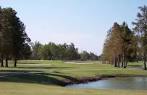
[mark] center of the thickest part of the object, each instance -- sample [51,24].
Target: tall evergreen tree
[7,30]
[141,30]
[128,44]
[1,54]
[14,37]
[118,45]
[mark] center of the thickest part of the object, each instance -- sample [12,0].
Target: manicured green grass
[45,77]
[35,89]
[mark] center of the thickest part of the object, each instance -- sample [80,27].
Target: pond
[136,83]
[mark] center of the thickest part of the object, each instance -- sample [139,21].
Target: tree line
[14,41]
[52,51]
[123,44]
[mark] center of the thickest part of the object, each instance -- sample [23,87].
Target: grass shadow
[135,66]
[41,67]
[23,76]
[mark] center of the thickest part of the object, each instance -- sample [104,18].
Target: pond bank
[96,78]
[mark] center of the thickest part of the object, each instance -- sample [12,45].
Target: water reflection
[116,83]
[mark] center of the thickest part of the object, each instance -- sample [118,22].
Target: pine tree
[117,45]
[13,36]
[141,30]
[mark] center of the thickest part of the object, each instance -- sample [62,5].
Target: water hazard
[137,83]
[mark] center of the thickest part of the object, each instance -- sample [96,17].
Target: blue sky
[83,22]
